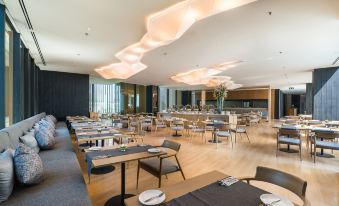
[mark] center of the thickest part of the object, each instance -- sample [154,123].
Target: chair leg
[276,154]
[138,172]
[247,137]
[314,152]
[159,185]
[300,152]
[182,173]
[235,138]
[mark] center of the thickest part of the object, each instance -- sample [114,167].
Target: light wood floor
[198,157]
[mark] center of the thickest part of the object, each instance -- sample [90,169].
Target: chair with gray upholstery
[240,128]
[324,140]
[198,128]
[282,179]
[159,166]
[289,136]
[223,132]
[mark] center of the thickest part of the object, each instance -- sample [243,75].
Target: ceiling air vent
[29,24]
[335,61]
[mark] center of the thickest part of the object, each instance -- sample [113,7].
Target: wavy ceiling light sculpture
[163,28]
[206,76]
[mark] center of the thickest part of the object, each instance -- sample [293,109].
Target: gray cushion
[223,134]
[288,140]
[6,175]
[198,130]
[14,132]
[239,130]
[44,138]
[30,141]
[328,145]
[28,165]
[178,128]
[5,142]
[168,166]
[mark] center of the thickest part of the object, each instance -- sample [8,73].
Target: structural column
[2,66]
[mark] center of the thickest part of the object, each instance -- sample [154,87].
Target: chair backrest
[225,127]
[289,132]
[282,179]
[171,145]
[326,134]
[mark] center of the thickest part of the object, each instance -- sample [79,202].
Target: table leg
[119,200]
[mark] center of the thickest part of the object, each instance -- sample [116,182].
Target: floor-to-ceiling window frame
[105,98]
[8,74]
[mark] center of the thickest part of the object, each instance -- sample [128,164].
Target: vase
[220,104]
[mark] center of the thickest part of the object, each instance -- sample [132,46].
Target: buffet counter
[194,116]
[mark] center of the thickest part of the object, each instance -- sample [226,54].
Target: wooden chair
[240,128]
[159,166]
[289,137]
[177,125]
[198,128]
[224,132]
[323,140]
[282,179]
[159,123]
[94,115]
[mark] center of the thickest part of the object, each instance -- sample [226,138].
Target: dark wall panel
[63,94]
[309,98]
[186,97]
[326,94]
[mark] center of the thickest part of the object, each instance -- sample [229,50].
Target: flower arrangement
[220,91]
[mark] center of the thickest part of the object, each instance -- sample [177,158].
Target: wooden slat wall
[326,94]
[242,94]
[309,98]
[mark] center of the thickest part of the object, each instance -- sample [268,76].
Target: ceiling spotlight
[86,33]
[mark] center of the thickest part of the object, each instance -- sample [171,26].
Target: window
[105,98]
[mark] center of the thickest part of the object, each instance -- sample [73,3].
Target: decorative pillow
[6,175]
[53,118]
[50,120]
[44,138]
[30,141]
[28,165]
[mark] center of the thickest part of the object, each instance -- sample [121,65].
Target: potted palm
[220,93]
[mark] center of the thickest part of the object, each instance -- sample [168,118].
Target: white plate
[151,193]
[154,150]
[269,198]
[94,148]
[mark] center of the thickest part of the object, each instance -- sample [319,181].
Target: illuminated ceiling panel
[206,76]
[163,28]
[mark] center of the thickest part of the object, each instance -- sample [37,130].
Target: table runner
[112,153]
[239,194]
[96,134]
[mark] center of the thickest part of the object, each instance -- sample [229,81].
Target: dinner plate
[154,150]
[149,194]
[268,199]
[94,148]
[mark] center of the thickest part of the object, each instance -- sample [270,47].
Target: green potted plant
[220,92]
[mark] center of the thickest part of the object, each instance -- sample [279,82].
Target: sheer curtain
[105,98]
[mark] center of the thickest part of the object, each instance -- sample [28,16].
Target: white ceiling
[279,49]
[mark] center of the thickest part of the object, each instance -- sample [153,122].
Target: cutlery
[274,202]
[155,197]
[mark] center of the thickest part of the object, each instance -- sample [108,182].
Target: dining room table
[116,155]
[307,129]
[205,190]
